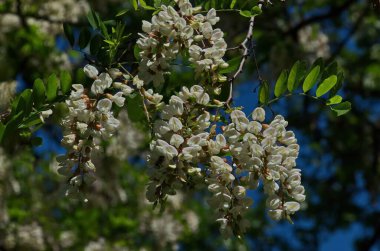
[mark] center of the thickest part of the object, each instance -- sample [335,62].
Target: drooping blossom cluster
[90,120]
[171,32]
[258,152]
[180,137]
[189,151]
[191,146]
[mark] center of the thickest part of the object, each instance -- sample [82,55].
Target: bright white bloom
[91,71]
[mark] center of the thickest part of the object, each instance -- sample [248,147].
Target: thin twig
[246,48]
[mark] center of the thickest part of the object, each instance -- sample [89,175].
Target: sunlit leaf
[334,100]
[311,78]
[326,85]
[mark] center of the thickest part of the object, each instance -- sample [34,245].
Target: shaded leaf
[280,86]
[68,30]
[264,92]
[65,82]
[38,92]
[52,87]
[338,85]
[26,95]
[84,37]
[341,108]
[96,44]
[295,75]
[136,52]
[233,65]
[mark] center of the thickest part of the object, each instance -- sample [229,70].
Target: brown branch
[243,45]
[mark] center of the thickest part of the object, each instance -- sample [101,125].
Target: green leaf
[320,62]
[311,78]
[233,65]
[31,121]
[135,108]
[331,69]
[326,85]
[122,13]
[68,30]
[245,13]
[255,11]
[11,127]
[2,129]
[38,92]
[110,42]
[280,86]
[341,108]
[84,37]
[65,82]
[135,4]
[26,95]
[96,44]
[136,52]
[145,6]
[52,87]
[334,100]
[92,19]
[232,5]
[264,93]
[295,75]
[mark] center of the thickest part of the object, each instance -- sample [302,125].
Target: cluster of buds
[171,31]
[90,120]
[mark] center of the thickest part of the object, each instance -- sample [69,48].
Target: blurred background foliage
[340,156]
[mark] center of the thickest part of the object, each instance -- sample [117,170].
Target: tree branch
[247,41]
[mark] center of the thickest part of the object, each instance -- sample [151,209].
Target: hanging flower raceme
[191,147]
[180,142]
[90,120]
[171,31]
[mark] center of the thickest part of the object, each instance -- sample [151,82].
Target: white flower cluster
[90,119]
[188,151]
[54,10]
[315,42]
[267,153]
[180,141]
[171,31]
